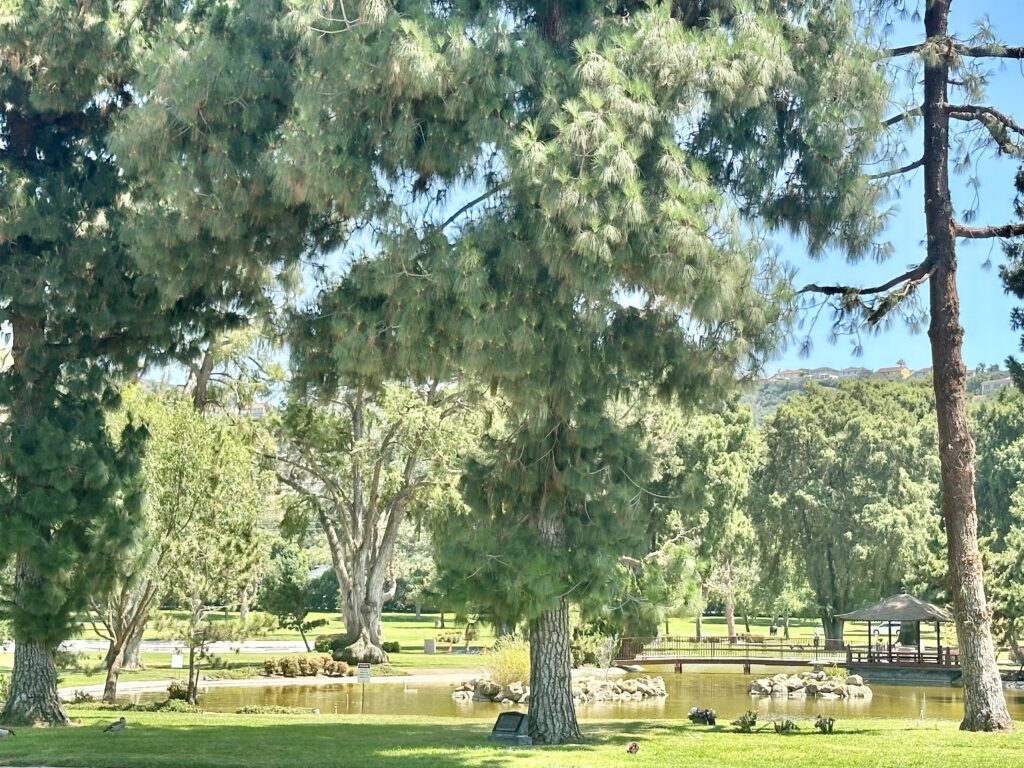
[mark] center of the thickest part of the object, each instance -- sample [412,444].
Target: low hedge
[306,666]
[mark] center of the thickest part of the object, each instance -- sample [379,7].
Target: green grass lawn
[272,741]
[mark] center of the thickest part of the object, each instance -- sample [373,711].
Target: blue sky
[985,307]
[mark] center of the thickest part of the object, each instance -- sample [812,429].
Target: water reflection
[711,688]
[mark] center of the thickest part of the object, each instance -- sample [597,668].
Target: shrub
[335,668]
[81,697]
[509,661]
[304,666]
[270,667]
[177,691]
[289,667]
[170,705]
[392,647]
[271,710]
[5,687]
[329,643]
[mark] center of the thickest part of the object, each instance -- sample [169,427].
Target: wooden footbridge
[751,650]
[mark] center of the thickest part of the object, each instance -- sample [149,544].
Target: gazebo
[902,608]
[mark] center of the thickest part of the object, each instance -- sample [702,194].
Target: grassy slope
[226,741]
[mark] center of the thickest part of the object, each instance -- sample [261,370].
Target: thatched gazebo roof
[902,607]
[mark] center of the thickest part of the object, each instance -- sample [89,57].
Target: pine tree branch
[971,51]
[903,50]
[915,112]
[475,201]
[998,124]
[897,171]
[915,275]
[991,51]
[976,233]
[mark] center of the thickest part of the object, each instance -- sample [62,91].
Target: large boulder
[854,680]
[487,689]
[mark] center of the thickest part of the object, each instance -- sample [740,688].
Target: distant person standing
[817,638]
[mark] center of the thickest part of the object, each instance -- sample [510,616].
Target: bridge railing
[722,648]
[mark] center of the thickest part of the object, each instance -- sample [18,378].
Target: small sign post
[364,678]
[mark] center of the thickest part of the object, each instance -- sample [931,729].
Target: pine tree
[604,252]
[949,64]
[137,218]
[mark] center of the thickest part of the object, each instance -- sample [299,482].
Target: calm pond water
[725,692]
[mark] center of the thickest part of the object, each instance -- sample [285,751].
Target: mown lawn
[272,741]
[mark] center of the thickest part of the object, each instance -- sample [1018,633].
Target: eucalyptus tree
[941,63]
[359,466]
[558,189]
[849,491]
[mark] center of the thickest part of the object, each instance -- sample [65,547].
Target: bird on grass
[5,732]
[632,748]
[120,725]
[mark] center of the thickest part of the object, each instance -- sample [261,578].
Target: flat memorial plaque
[512,728]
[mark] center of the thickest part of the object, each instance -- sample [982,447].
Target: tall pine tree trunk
[33,695]
[984,703]
[552,712]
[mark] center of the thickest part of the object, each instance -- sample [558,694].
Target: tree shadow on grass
[218,742]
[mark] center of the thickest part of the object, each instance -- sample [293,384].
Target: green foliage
[177,690]
[5,687]
[271,710]
[509,660]
[139,219]
[1012,274]
[849,489]
[999,432]
[605,255]
[329,643]
[745,723]
[392,646]
[286,590]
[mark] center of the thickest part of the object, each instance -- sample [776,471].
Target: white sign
[364,672]
[177,661]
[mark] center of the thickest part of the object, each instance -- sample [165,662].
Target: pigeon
[632,748]
[120,725]
[5,732]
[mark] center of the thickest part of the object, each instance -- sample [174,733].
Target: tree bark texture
[33,695]
[552,712]
[984,703]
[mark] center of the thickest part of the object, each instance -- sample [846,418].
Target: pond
[712,688]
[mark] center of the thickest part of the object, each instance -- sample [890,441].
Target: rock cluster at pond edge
[583,691]
[816,684]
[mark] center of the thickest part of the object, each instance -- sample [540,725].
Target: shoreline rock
[584,691]
[814,684]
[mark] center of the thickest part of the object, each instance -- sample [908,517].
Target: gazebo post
[870,649]
[938,641]
[890,642]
